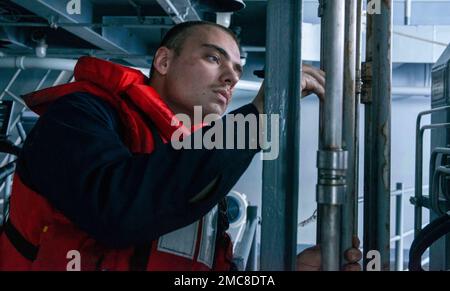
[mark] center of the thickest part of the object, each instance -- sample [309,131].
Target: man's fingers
[353,255]
[311,85]
[319,75]
[309,259]
[355,241]
[352,267]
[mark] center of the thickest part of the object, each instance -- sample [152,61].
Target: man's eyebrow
[223,52]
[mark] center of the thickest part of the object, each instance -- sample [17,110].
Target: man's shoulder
[73,104]
[82,100]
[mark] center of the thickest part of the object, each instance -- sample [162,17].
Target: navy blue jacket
[75,158]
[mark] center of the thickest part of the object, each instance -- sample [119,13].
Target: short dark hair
[175,37]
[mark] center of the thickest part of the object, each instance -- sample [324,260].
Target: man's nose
[230,77]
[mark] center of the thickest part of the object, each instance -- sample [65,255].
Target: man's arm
[75,158]
[313,81]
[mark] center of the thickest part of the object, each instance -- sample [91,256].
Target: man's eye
[214,59]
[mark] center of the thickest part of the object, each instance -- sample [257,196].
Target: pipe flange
[331,194]
[332,160]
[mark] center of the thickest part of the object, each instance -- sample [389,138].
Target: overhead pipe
[37,63]
[331,158]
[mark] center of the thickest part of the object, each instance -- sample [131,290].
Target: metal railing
[15,129]
[400,234]
[246,256]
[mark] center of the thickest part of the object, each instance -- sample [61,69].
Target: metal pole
[358,89]
[252,262]
[399,228]
[282,97]
[407,12]
[244,248]
[377,164]
[349,126]
[323,61]
[331,158]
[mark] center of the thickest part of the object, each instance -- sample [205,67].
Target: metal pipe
[243,249]
[282,97]
[21,131]
[377,163]
[252,262]
[399,228]
[323,61]
[407,12]
[359,11]
[412,91]
[331,159]
[42,81]
[349,126]
[92,25]
[11,81]
[7,170]
[23,63]
[398,91]
[334,15]
[330,244]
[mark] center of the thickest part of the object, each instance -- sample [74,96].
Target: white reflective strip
[208,242]
[180,242]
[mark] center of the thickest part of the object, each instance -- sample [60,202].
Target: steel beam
[55,10]
[281,176]
[377,162]
[179,11]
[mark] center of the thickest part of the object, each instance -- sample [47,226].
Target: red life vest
[38,237]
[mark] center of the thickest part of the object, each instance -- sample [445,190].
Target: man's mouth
[225,94]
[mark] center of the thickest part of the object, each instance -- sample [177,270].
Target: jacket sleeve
[75,158]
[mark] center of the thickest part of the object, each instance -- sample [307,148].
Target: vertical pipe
[323,61]
[280,176]
[418,180]
[349,125]
[331,159]
[252,262]
[399,227]
[407,12]
[358,89]
[377,178]
[334,15]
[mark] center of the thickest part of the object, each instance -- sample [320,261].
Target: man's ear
[162,60]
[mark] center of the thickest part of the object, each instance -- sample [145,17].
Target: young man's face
[205,72]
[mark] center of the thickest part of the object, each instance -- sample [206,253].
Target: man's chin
[214,109]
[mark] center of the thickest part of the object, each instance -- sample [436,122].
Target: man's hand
[313,81]
[310,259]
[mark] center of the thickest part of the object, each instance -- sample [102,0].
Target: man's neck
[159,88]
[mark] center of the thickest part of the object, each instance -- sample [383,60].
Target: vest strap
[22,245]
[140,257]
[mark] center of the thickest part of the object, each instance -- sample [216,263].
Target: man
[99,182]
